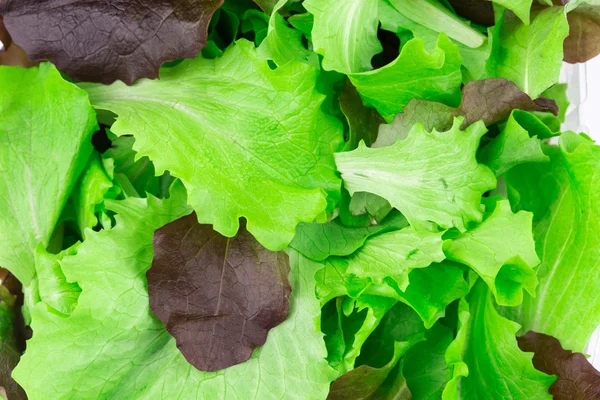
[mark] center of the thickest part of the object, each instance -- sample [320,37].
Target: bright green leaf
[416,73]
[244,139]
[45,139]
[394,254]
[345,33]
[414,175]
[319,241]
[564,196]
[502,252]
[133,356]
[497,368]
[512,147]
[529,55]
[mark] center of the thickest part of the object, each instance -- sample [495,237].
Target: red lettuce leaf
[577,378]
[217,296]
[102,41]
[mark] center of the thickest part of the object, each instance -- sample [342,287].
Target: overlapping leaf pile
[409,204]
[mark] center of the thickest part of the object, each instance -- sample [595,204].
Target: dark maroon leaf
[102,41]
[577,378]
[218,296]
[489,100]
[364,122]
[479,11]
[12,334]
[583,42]
[4,37]
[492,100]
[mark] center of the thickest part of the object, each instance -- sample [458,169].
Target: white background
[583,115]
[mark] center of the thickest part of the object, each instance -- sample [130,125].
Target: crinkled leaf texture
[429,176]
[577,378]
[45,139]
[394,254]
[245,140]
[488,100]
[379,376]
[564,196]
[217,296]
[513,146]
[333,279]
[113,347]
[109,40]
[487,345]
[414,74]
[502,252]
[345,33]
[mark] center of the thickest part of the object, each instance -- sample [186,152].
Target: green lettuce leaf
[394,254]
[563,195]
[345,33]
[45,136]
[513,146]
[350,326]
[132,355]
[435,16]
[284,43]
[379,376]
[502,252]
[334,280]
[425,367]
[416,73]
[319,241]
[496,366]
[53,289]
[93,185]
[521,8]
[414,175]
[246,140]
[473,59]
[363,122]
[529,55]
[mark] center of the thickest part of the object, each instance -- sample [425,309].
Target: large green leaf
[246,140]
[564,195]
[45,139]
[345,33]
[502,251]
[497,369]
[416,73]
[529,55]
[416,177]
[113,347]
